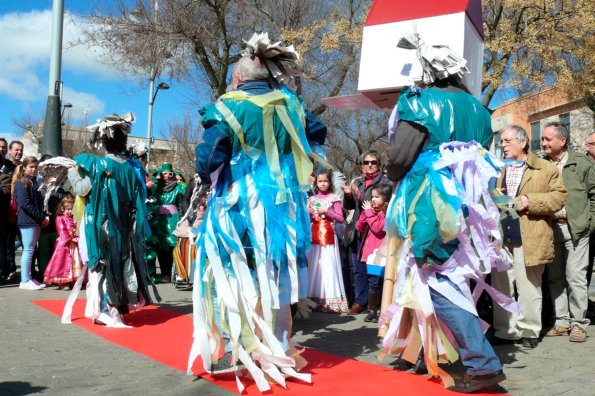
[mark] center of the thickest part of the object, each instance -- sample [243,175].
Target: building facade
[534,110]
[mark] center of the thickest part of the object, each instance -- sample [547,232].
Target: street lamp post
[152,96]
[52,136]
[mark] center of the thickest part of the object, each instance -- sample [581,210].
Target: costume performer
[168,195]
[445,222]
[251,247]
[113,226]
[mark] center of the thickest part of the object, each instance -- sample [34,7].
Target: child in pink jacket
[371,225]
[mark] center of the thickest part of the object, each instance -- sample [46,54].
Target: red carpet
[166,336]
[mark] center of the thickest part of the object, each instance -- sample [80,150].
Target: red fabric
[370,178]
[323,232]
[371,224]
[13,210]
[166,336]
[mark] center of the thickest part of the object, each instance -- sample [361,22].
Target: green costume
[168,215]
[115,229]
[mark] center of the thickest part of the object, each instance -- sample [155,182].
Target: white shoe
[41,285]
[30,285]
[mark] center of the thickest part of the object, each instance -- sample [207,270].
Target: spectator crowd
[552,250]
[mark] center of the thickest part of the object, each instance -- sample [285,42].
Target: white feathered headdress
[282,62]
[107,125]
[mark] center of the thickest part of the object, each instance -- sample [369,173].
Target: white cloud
[25,39]
[84,106]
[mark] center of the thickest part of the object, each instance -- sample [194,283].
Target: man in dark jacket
[567,274]
[5,198]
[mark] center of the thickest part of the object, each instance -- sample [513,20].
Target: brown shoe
[471,383]
[577,334]
[356,309]
[557,331]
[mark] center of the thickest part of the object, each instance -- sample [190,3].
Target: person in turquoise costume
[251,247]
[442,224]
[114,223]
[139,159]
[168,197]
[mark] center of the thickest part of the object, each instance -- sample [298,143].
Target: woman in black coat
[30,218]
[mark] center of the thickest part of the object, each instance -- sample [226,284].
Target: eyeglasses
[167,173]
[506,142]
[590,144]
[374,162]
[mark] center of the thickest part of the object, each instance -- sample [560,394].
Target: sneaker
[224,365]
[557,331]
[577,334]
[29,286]
[41,285]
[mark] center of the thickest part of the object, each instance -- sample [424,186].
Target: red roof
[388,11]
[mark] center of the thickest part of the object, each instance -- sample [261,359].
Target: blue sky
[91,87]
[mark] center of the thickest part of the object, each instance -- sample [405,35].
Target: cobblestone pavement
[40,355]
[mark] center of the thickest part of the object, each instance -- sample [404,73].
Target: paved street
[40,355]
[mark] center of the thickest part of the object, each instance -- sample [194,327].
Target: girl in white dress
[325,279]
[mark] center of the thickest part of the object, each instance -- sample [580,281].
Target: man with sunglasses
[359,191]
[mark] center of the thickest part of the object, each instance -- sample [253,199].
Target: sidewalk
[40,355]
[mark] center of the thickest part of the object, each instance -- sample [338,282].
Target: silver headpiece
[282,62]
[436,62]
[107,125]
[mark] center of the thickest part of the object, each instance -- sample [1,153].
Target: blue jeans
[476,352]
[374,284]
[29,236]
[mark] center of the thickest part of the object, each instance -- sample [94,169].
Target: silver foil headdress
[107,125]
[436,62]
[282,62]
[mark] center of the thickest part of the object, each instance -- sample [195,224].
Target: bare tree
[184,136]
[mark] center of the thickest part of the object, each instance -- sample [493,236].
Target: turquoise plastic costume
[115,228]
[424,186]
[252,243]
[443,230]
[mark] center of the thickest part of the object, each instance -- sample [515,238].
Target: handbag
[511,226]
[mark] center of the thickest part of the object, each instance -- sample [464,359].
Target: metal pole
[150,118]
[52,134]
[151,96]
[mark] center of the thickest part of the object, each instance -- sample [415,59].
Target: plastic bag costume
[251,246]
[443,230]
[112,233]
